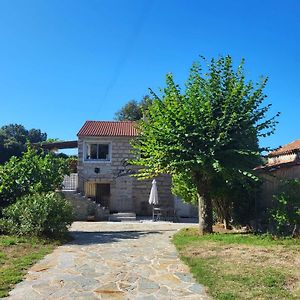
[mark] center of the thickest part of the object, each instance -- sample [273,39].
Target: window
[97,152]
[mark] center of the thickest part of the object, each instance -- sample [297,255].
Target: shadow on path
[103,237]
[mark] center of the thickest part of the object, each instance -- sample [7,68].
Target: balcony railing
[70,183]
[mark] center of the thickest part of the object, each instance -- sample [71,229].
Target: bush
[286,212]
[45,214]
[34,172]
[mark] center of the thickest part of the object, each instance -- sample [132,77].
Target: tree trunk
[226,216]
[205,210]
[222,208]
[226,223]
[296,231]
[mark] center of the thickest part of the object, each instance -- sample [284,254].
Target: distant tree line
[133,110]
[13,139]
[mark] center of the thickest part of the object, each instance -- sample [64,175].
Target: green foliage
[233,199]
[133,110]
[286,211]
[34,172]
[72,162]
[46,214]
[210,128]
[183,187]
[13,138]
[208,132]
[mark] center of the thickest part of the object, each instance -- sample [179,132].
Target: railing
[70,183]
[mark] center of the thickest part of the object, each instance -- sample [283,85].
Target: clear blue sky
[66,61]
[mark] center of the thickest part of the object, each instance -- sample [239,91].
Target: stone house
[283,163]
[103,172]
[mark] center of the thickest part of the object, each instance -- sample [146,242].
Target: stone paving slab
[112,261]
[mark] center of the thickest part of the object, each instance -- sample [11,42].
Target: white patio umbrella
[153,198]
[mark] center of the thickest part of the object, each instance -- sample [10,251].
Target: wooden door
[103,194]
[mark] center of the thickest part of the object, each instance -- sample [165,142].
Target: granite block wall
[126,192]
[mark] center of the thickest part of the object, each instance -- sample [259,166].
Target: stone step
[85,208]
[125,216]
[121,219]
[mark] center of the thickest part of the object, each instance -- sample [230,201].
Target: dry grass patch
[242,266]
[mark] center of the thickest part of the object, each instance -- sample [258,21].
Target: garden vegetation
[206,136]
[34,218]
[44,214]
[27,195]
[28,201]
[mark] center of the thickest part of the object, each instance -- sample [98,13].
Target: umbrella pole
[153,213]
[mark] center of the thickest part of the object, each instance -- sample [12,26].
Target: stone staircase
[122,217]
[85,209]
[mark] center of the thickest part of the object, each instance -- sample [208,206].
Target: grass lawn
[17,254]
[242,266]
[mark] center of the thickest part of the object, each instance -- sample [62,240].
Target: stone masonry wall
[282,158]
[127,193]
[141,192]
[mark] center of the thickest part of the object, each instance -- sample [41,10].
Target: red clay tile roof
[108,128]
[286,149]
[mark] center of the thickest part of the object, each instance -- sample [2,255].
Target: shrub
[34,172]
[45,214]
[286,211]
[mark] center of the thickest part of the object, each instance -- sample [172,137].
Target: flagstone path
[113,261]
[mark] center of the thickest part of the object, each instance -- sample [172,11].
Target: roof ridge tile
[108,128]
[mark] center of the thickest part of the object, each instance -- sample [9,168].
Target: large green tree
[207,132]
[133,110]
[13,138]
